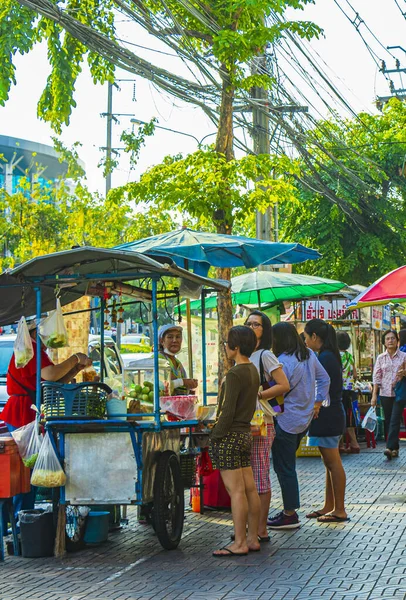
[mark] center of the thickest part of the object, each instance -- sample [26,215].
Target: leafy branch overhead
[207,186]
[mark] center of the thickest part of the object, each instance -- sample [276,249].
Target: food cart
[107,460]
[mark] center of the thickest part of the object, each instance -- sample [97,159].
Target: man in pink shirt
[390,367]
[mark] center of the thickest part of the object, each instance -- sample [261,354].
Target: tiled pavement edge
[364,559]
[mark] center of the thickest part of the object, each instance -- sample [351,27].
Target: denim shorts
[324,442]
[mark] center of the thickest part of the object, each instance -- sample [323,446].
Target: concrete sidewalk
[363,559]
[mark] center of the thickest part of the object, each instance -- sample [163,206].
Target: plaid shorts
[261,459]
[231,452]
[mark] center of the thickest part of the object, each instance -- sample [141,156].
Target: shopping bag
[29,440]
[370,420]
[258,425]
[356,413]
[23,350]
[48,471]
[52,329]
[400,390]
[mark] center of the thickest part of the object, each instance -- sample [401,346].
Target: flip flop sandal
[332,519]
[314,515]
[229,553]
[254,550]
[261,539]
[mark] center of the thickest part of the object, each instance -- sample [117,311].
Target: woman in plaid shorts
[230,441]
[261,445]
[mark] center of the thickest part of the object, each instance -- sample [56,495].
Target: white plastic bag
[48,471]
[23,350]
[52,329]
[370,420]
[29,441]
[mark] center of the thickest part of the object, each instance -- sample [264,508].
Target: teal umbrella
[198,250]
[272,287]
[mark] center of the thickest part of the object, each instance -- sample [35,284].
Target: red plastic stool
[370,438]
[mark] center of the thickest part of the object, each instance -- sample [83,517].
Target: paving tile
[364,559]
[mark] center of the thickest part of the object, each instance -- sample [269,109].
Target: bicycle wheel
[169,501]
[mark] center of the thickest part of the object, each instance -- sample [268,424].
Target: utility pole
[109,116]
[260,123]
[395,92]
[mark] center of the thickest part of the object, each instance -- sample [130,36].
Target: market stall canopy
[389,288]
[72,272]
[271,287]
[199,250]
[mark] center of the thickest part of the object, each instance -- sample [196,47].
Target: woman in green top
[230,441]
[170,343]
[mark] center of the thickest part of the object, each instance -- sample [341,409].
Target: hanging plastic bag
[52,329]
[23,350]
[29,441]
[48,471]
[370,420]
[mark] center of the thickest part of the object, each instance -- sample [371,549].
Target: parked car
[134,346]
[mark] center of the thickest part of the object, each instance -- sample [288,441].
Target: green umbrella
[271,287]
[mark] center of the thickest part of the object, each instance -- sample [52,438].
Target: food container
[183,407]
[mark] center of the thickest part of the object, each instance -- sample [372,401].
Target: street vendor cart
[129,458]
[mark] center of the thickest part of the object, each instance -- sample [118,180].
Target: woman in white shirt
[261,447]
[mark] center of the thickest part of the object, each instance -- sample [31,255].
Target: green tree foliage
[361,246]
[39,219]
[215,191]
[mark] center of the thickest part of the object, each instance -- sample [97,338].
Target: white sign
[380,317]
[330,311]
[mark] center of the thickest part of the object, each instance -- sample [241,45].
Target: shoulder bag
[274,406]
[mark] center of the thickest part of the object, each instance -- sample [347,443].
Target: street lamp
[199,143]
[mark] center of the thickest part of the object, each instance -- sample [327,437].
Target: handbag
[400,390]
[274,406]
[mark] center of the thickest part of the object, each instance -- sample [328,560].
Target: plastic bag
[52,329]
[370,420]
[23,350]
[183,407]
[48,471]
[29,441]
[258,425]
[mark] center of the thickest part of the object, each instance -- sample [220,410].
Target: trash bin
[97,527]
[37,533]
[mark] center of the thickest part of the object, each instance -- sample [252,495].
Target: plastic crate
[188,469]
[74,399]
[304,450]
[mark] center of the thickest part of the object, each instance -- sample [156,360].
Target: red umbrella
[389,288]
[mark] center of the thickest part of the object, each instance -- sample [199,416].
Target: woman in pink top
[389,368]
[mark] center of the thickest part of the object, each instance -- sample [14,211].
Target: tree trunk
[223,217]
[224,140]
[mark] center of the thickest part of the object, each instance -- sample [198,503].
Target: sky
[346,57]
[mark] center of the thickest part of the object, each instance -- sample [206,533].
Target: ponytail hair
[326,333]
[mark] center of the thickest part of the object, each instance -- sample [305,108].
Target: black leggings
[393,412]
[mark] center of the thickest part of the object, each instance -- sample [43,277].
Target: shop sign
[330,311]
[380,317]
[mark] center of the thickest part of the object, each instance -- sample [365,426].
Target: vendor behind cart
[170,343]
[21,384]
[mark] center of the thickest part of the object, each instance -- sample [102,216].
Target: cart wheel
[169,501]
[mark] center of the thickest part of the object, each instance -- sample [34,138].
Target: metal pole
[189,332]
[102,307]
[109,135]
[204,365]
[38,373]
[156,350]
